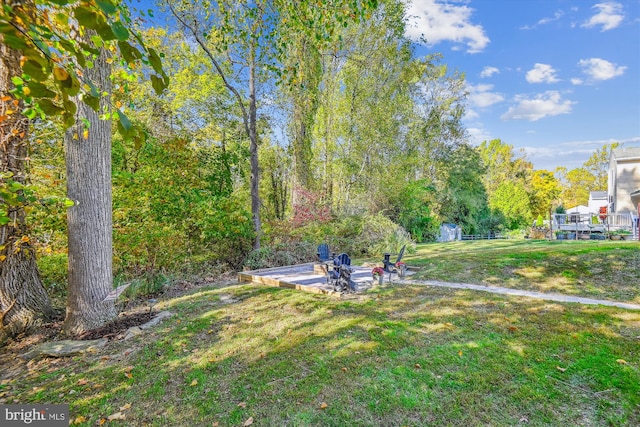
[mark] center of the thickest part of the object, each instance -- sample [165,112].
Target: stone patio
[307,277]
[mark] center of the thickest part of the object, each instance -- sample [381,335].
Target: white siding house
[624,179]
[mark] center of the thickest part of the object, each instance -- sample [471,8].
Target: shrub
[53,271]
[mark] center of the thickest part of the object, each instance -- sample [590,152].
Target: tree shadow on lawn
[403,355]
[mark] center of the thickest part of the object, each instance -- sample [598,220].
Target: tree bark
[253,149]
[89,221]
[23,300]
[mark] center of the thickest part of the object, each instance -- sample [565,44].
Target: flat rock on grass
[64,348]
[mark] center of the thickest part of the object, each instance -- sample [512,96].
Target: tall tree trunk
[253,149]
[23,300]
[89,221]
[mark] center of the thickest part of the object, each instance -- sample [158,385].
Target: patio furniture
[339,275]
[323,253]
[390,267]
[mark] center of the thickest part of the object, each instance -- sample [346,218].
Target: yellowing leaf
[102,421]
[125,407]
[83,381]
[194,383]
[79,420]
[116,416]
[561,369]
[85,134]
[26,90]
[248,422]
[323,405]
[622,361]
[460,353]
[344,369]
[128,374]
[60,74]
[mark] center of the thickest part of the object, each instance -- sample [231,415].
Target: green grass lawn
[395,356]
[595,269]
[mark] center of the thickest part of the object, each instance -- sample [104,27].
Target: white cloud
[481,96]
[576,81]
[547,104]
[609,16]
[489,71]
[556,16]
[438,21]
[601,69]
[477,135]
[542,73]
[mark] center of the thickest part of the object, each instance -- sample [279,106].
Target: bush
[53,271]
[280,255]
[356,235]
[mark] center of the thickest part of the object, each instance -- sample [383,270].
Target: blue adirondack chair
[323,253]
[340,274]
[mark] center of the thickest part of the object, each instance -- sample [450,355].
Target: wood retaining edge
[268,281]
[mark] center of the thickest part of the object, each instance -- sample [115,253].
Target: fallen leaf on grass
[194,383]
[248,422]
[622,361]
[79,420]
[128,374]
[460,353]
[561,369]
[116,416]
[513,328]
[125,407]
[101,421]
[242,405]
[344,369]
[323,405]
[83,381]
[417,366]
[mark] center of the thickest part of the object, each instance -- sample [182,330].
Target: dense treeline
[359,144]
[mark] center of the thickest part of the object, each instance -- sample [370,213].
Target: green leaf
[124,121]
[120,31]
[14,41]
[68,203]
[158,84]
[70,107]
[129,53]
[155,61]
[106,32]
[69,119]
[106,7]
[29,113]
[92,101]
[88,18]
[35,70]
[49,108]
[39,90]
[17,81]
[60,2]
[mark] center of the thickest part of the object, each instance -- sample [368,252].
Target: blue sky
[557,78]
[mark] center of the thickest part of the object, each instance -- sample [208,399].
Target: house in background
[597,200]
[624,179]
